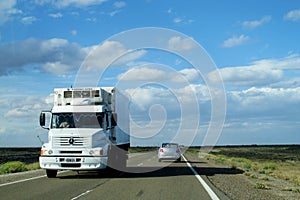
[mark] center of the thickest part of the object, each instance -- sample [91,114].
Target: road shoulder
[234,184]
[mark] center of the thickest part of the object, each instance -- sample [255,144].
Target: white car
[169,151]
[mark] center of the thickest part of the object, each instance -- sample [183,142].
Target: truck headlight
[46,152]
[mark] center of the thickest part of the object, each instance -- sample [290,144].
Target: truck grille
[69,141]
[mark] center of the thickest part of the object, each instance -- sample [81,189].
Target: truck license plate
[70,160]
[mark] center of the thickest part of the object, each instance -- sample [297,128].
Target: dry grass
[261,162]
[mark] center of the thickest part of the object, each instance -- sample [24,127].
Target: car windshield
[77,120]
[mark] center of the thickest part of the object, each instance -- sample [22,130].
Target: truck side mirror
[42,119]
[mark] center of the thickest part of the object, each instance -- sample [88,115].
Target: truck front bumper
[73,163]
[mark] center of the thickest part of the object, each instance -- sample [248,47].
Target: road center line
[82,194]
[210,192]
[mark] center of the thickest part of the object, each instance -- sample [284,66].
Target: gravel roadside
[237,186]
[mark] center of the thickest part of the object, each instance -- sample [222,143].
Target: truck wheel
[51,173]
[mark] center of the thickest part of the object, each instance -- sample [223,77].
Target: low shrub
[270,166]
[12,167]
[261,186]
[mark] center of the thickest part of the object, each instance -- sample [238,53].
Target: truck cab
[88,130]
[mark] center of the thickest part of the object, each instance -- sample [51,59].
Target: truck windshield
[77,120]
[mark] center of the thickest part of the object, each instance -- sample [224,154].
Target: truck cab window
[78,120]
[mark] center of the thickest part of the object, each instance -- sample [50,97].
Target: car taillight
[177,151]
[161,150]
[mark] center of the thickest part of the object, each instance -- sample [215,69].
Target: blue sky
[254,45]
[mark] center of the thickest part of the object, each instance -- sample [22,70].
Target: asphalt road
[146,178]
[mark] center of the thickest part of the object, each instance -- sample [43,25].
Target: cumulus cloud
[53,53]
[170,98]
[144,74]
[293,15]
[264,101]
[235,41]
[260,72]
[7,9]
[291,62]
[27,107]
[110,53]
[256,23]
[189,74]
[181,44]
[156,72]
[247,75]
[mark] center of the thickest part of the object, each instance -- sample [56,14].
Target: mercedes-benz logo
[71,140]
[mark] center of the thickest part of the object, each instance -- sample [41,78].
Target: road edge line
[210,192]
[26,179]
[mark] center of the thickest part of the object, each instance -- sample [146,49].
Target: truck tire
[51,173]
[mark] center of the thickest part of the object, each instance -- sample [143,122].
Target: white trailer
[88,130]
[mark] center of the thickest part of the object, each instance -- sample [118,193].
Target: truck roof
[83,96]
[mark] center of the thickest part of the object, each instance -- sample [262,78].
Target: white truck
[88,130]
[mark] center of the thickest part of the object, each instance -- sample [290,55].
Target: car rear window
[168,145]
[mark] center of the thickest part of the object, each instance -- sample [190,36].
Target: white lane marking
[27,179]
[82,194]
[23,180]
[210,192]
[140,164]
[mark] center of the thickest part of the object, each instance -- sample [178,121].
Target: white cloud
[181,44]
[264,101]
[74,32]
[76,3]
[27,107]
[28,20]
[236,41]
[144,74]
[120,4]
[113,13]
[247,75]
[105,55]
[291,62]
[56,15]
[287,83]
[256,23]
[16,56]
[260,72]
[7,9]
[293,15]
[177,20]
[153,72]
[57,68]
[190,74]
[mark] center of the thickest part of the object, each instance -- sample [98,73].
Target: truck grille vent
[73,165]
[69,141]
[71,152]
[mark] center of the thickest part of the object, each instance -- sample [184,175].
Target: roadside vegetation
[17,166]
[263,163]
[14,160]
